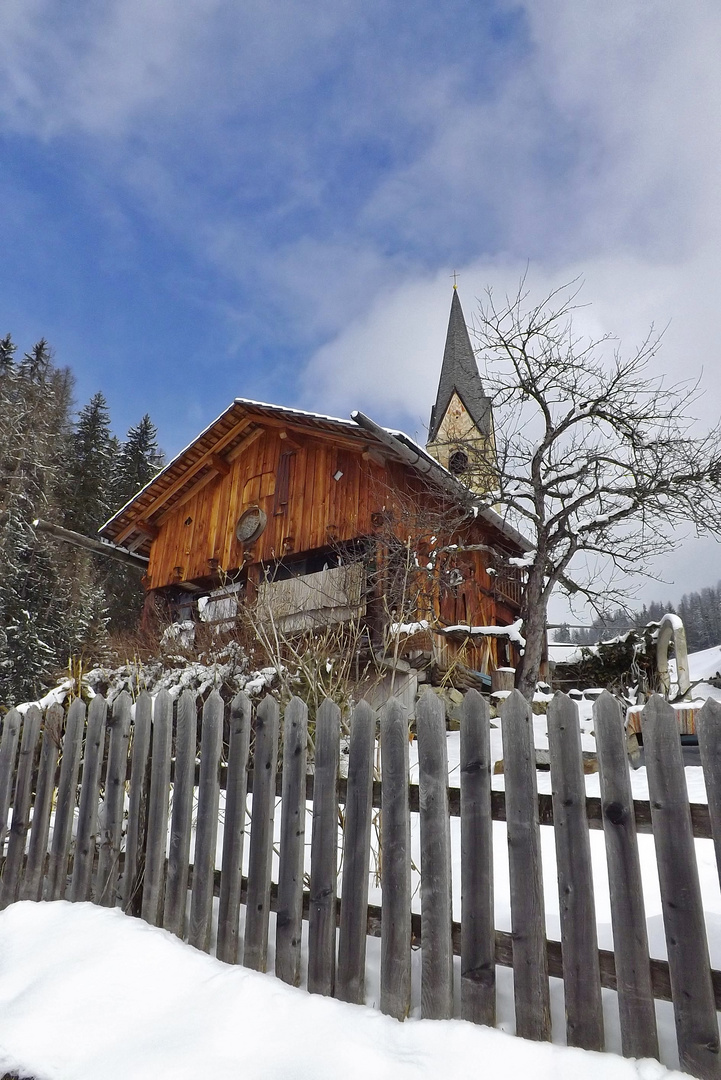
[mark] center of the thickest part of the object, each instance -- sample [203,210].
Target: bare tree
[599,460]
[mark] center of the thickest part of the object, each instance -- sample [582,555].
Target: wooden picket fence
[123,792]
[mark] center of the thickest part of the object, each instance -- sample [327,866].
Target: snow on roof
[297,412]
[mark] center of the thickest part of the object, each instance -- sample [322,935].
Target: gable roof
[211,452]
[459,373]
[208,455]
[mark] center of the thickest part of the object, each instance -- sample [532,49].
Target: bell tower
[460,435]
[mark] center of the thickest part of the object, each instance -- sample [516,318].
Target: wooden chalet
[311,520]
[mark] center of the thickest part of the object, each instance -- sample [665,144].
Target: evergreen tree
[137,461]
[36,366]
[7,353]
[88,498]
[35,608]
[51,604]
[34,613]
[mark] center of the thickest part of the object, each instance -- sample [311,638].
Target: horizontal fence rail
[119,804]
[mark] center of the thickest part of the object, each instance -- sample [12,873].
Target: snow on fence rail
[128,785]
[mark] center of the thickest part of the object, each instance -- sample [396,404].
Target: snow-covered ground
[87,993]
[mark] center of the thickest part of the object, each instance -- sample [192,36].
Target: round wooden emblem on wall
[251,524]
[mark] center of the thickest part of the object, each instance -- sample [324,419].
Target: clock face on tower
[251,524]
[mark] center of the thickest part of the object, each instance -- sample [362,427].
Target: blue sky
[202,199]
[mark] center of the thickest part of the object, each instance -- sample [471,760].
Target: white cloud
[596,151]
[100,69]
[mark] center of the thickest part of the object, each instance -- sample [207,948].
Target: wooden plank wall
[198,538]
[320,510]
[143,873]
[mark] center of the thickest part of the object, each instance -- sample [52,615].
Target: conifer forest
[59,604]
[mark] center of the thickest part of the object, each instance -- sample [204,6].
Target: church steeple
[460,432]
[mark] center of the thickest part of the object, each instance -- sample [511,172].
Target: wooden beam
[243,445]
[347,441]
[288,440]
[197,486]
[219,464]
[151,531]
[374,456]
[98,547]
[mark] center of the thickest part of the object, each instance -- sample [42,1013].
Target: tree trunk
[534,631]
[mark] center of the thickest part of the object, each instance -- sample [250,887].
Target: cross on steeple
[455,276]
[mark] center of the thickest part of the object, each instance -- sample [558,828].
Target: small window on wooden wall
[250,525]
[282,483]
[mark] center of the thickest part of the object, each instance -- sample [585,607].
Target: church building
[460,433]
[300,521]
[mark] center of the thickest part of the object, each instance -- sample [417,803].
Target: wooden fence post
[32,886]
[324,852]
[181,821]
[65,805]
[708,727]
[206,835]
[133,868]
[478,937]
[289,917]
[8,752]
[12,871]
[395,864]
[157,838]
[265,763]
[639,1038]
[688,960]
[234,830]
[80,887]
[530,964]
[350,978]
[112,814]
[436,907]
[579,942]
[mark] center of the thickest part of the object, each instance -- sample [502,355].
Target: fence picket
[530,965]
[8,753]
[12,871]
[32,885]
[106,885]
[478,938]
[206,834]
[396,865]
[181,822]
[289,918]
[579,943]
[639,1038]
[234,829]
[436,908]
[65,804]
[157,838]
[708,727]
[350,976]
[265,763]
[686,979]
[133,868]
[693,998]
[324,852]
[89,797]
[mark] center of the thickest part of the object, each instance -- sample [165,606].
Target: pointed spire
[459,373]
